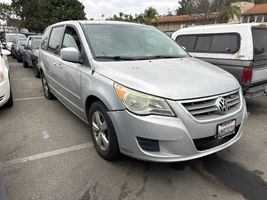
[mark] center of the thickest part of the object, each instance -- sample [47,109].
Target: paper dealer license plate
[226,128]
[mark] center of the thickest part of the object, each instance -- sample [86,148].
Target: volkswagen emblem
[221,105]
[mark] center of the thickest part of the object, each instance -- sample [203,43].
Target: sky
[95,8]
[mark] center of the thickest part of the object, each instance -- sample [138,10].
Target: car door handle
[59,65]
[55,63]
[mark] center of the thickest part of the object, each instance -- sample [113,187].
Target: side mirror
[5,52]
[70,54]
[27,47]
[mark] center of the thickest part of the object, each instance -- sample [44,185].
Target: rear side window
[225,43]
[259,41]
[187,41]
[211,43]
[44,42]
[55,40]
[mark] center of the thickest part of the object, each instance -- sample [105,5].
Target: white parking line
[27,99]
[47,154]
[23,79]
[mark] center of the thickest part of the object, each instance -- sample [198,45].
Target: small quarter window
[55,40]
[45,38]
[71,39]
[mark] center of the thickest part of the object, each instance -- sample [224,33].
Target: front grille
[211,142]
[1,98]
[205,109]
[148,144]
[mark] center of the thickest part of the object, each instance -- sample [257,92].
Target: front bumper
[175,135]
[4,92]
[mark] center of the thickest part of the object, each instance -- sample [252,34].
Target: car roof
[95,22]
[15,34]
[220,28]
[35,36]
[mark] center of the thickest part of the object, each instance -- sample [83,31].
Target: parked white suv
[140,92]
[240,49]
[6,98]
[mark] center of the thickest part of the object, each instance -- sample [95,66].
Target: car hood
[181,78]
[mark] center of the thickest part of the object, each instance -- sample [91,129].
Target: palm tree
[150,15]
[226,8]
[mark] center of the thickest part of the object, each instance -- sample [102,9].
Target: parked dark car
[21,45]
[15,48]
[30,54]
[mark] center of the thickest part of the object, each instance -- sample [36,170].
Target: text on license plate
[226,129]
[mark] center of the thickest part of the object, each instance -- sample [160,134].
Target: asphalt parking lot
[46,153]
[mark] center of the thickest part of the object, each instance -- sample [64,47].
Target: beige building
[177,22]
[244,6]
[250,13]
[258,13]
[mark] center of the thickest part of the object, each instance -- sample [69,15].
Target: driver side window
[71,39]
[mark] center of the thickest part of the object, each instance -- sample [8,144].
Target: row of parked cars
[24,49]
[144,96]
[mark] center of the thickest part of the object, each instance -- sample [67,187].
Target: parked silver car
[140,92]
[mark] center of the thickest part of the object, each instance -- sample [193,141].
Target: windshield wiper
[116,57]
[164,56]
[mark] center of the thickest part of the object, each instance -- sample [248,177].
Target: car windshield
[36,43]
[260,41]
[21,42]
[131,42]
[13,37]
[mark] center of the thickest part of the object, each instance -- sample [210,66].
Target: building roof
[186,18]
[257,9]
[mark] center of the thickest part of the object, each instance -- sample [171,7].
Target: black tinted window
[71,39]
[259,18]
[187,41]
[203,43]
[265,18]
[260,41]
[55,39]
[44,42]
[225,43]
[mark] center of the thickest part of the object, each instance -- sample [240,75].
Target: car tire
[13,55]
[47,92]
[25,64]
[102,132]
[9,103]
[36,72]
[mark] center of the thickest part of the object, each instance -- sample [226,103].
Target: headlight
[142,104]
[1,76]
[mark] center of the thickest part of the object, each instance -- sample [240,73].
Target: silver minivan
[140,92]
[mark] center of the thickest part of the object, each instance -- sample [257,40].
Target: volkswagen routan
[140,92]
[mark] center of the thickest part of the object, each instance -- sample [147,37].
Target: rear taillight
[247,74]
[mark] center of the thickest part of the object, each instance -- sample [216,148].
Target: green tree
[260,1]
[186,7]
[6,11]
[209,11]
[150,15]
[36,15]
